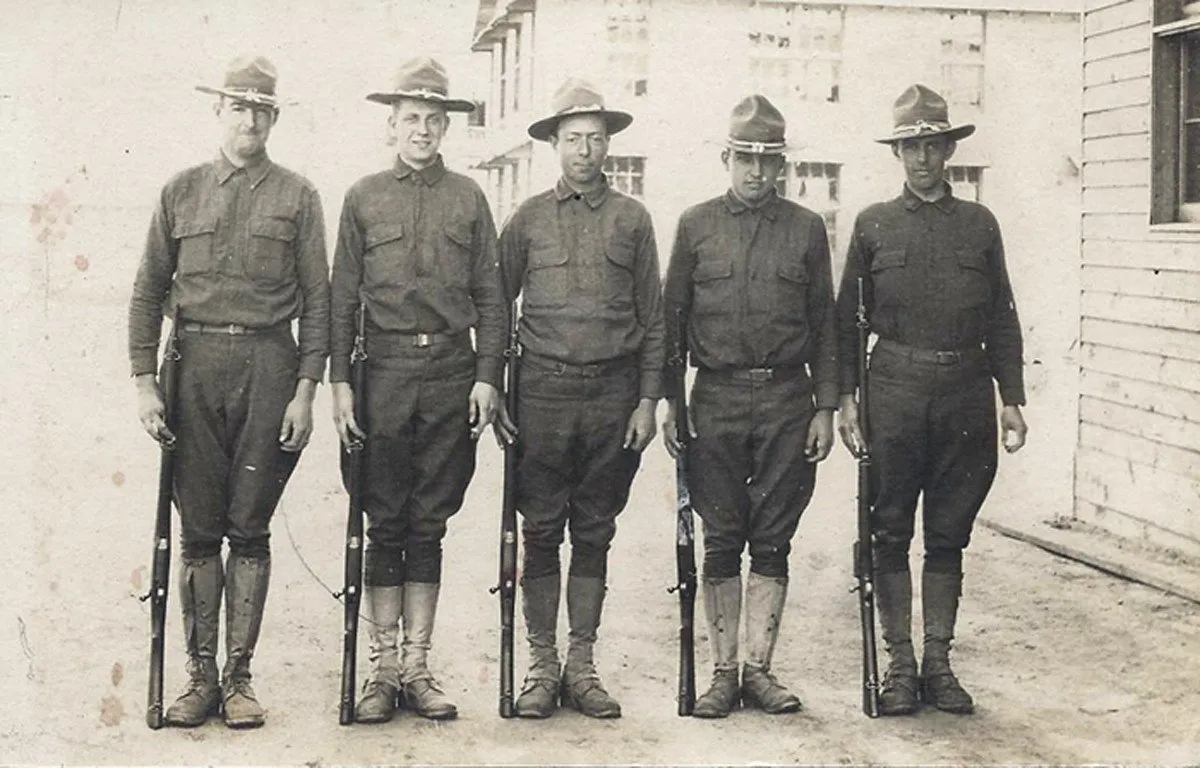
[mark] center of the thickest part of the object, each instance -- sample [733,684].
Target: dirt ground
[1068,665]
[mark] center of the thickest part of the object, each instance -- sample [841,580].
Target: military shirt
[586,267]
[934,278]
[755,289]
[231,245]
[419,248]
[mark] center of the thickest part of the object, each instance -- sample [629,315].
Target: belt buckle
[947,358]
[761,374]
[423,340]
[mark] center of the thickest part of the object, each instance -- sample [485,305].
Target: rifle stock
[685,532]
[160,570]
[352,582]
[864,558]
[507,585]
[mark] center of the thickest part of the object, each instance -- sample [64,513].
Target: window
[1175,132]
[626,174]
[515,79]
[796,50]
[816,186]
[477,118]
[962,58]
[966,181]
[628,38]
[500,51]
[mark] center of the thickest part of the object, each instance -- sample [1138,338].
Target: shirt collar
[255,171]
[430,174]
[769,207]
[595,198]
[946,203]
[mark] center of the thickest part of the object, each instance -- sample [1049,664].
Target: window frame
[792,61]
[1172,33]
[636,169]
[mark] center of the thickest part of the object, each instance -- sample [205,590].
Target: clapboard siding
[1149,254]
[1117,200]
[1116,173]
[1110,481]
[1144,366]
[1160,283]
[1137,465]
[1169,342]
[1134,92]
[1124,66]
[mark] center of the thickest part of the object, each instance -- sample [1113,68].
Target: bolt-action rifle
[352,585]
[864,558]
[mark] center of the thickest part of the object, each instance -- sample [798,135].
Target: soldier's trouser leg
[751,483]
[201,583]
[230,476]
[933,430]
[575,472]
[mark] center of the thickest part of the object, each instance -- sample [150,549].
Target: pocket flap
[621,251]
[972,259]
[793,272]
[275,229]
[546,256]
[383,233]
[193,227]
[897,257]
[712,270]
[461,234]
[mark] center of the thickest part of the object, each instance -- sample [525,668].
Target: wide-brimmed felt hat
[919,112]
[423,79]
[250,79]
[578,97]
[756,126]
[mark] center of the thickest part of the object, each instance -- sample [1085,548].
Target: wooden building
[1138,459]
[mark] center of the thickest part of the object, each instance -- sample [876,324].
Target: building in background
[1138,461]
[1013,67]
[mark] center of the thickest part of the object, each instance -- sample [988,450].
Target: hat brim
[614,122]
[954,132]
[450,105]
[261,99]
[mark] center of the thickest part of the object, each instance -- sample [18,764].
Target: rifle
[864,558]
[685,531]
[160,570]
[352,589]
[507,586]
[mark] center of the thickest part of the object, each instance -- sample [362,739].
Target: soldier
[750,290]
[236,251]
[583,257]
[417,247]
[937,295]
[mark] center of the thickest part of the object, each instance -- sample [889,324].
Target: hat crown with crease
[424,79]
[248,78]
[921,111]
[578,97]
[757,126]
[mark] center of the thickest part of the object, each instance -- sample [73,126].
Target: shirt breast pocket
[791,284]
[620,254]
[456,268]
[974,283]
[272,251]
[195,240]
[712,286]
[384,254]
[887,274]
[547,275]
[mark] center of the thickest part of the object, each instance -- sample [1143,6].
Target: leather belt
[227,329]
[776,373]
[589,370]
[931,356]
[420,340]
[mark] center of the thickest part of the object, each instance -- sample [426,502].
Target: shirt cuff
[827,394]
[1012,394]
[312,367]
[488,369]
[652,385]
[144,361]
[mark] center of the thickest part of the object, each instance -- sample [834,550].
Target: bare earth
[1068,665]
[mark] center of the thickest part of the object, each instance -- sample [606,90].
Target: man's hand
[297,425]
[640,430]
[852,437]
[152,412]
[482,405]
[504,428]
[820,436]
[348,429]
[1012,428]
[670,429]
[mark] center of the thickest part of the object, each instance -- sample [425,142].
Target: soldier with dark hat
[417,248]
[235,253]
[582,257]
[938,298]
[750,295]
